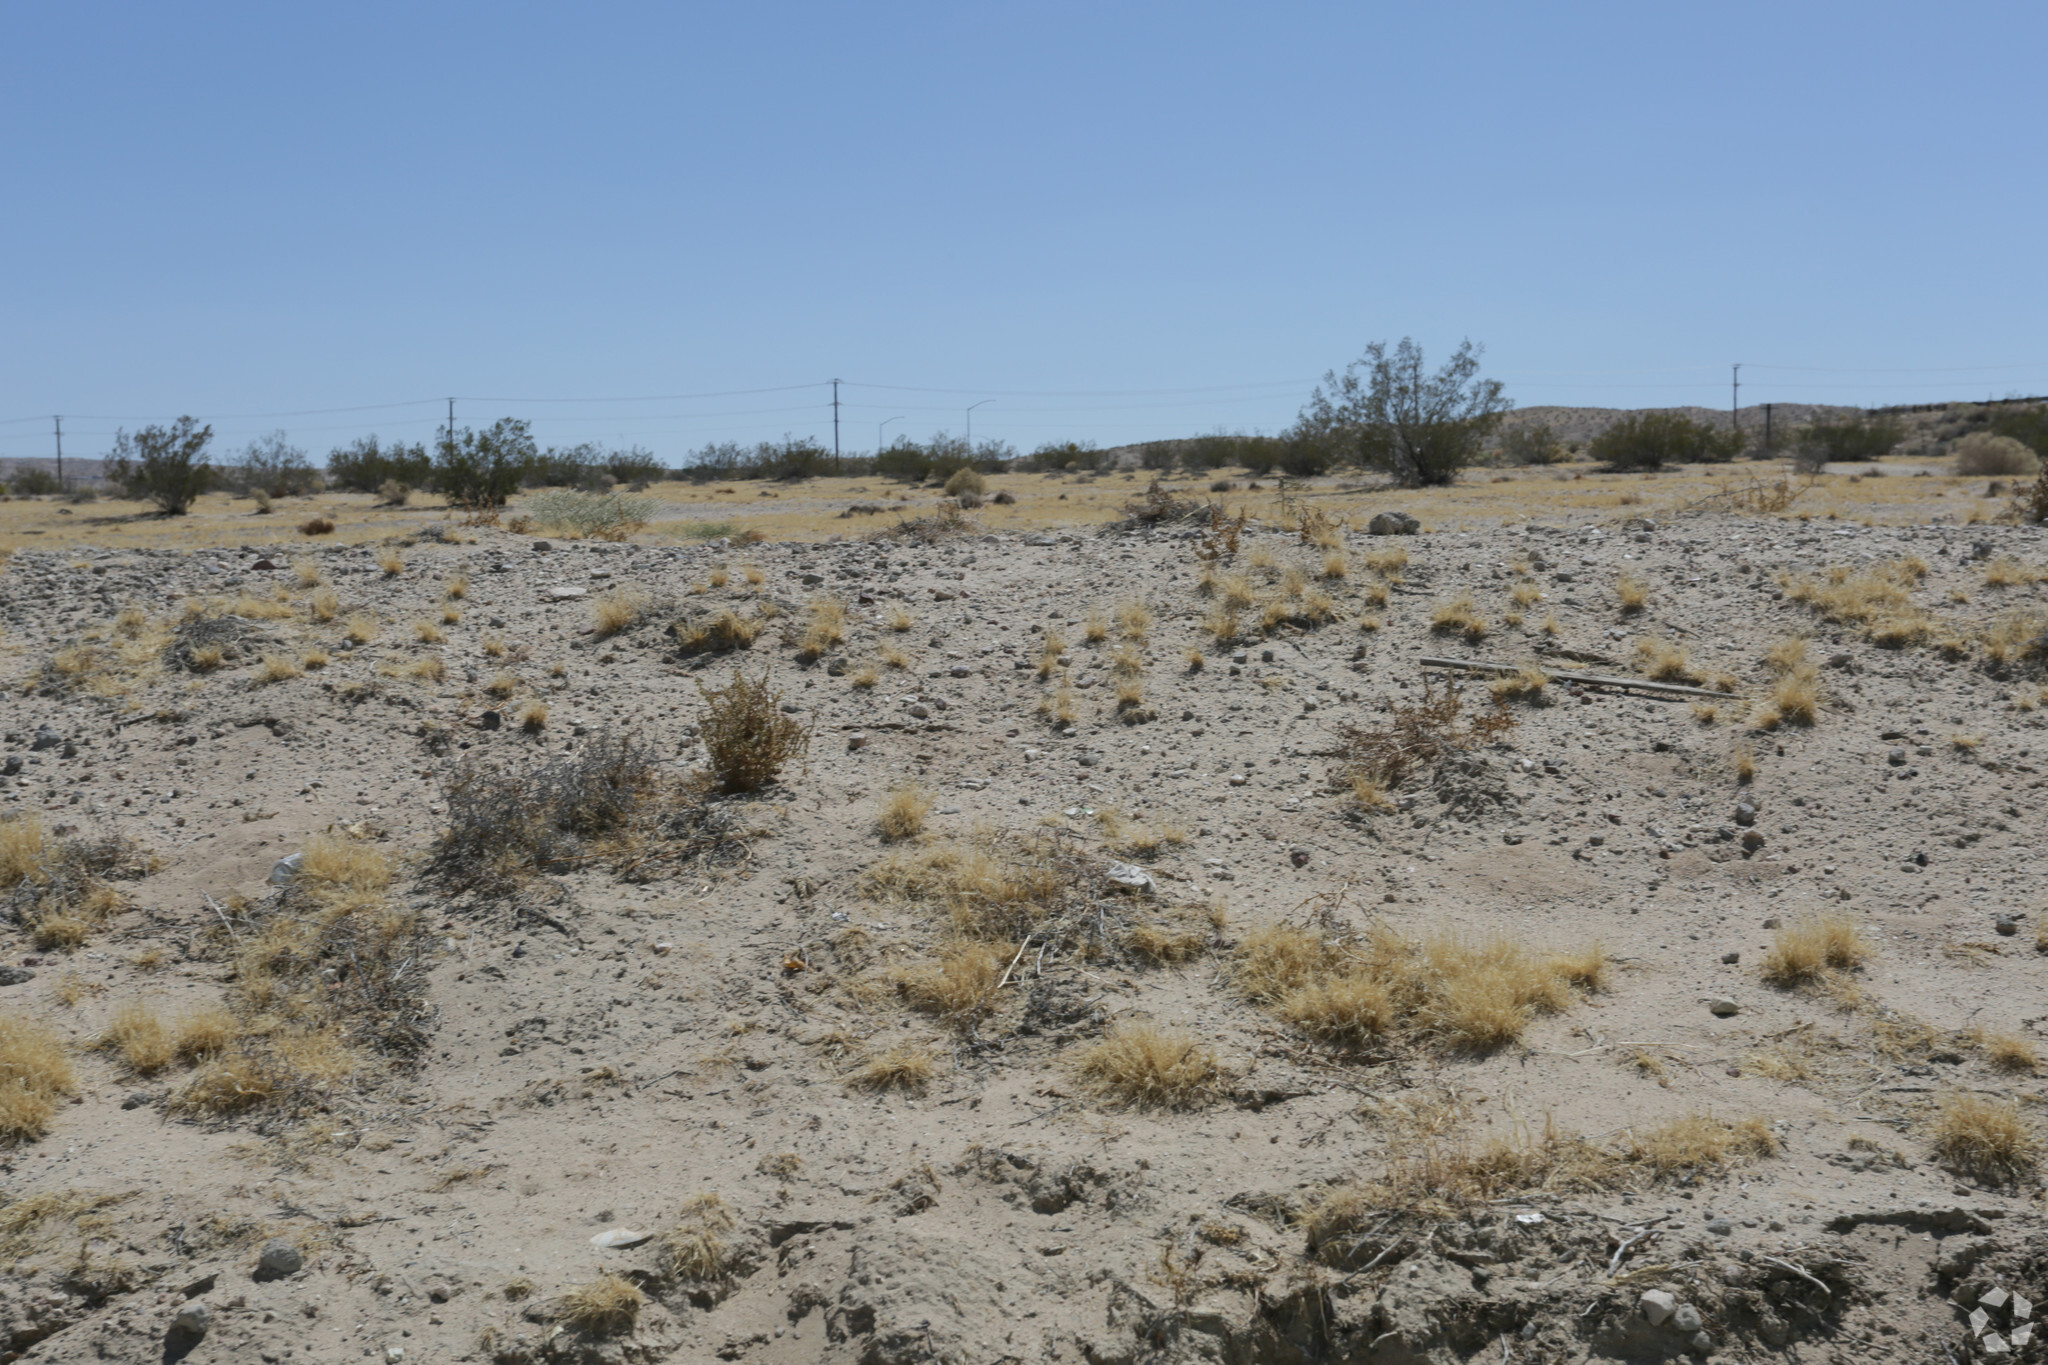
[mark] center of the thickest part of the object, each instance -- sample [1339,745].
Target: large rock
[1393,524]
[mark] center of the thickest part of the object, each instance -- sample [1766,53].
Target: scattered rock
[1393,524]
[491,720]
[1130,876]
[1720,1227]
[46,738]
[1657,1306]
[618,1239]
[278,1259]
[192,1320]
[1721,1006]
[1730,959]
[15,976]
[562,592]
[2007,925]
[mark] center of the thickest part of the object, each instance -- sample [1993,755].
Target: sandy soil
[604,1050]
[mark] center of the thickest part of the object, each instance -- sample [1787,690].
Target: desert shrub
[908,1067]
[748,737]
[484,469]
[2030,503]
[60,889]
[904,812]
[1807,950]
[272,466]
[1419,735]
[696,1246]
[599,516]
[316,526]
[1058,455]
[608,1306]
[966,480]
[1532,443]
[364,466]
[1860,437]
[1982,453]
[1650,440]
[163,465]
[392,493]
[29,481]
[616,611]
[1386,412]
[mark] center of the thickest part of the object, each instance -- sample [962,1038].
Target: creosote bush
[748,737]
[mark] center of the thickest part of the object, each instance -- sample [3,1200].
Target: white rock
[193,1319]
[286,870]
[565,593]
[1657,1306]
[1979,1320]
[2023,1334]
[617,1239]
[2022,1308]
[1993,1345]
[1993,1298]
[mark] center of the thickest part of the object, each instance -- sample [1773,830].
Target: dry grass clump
[1149,1067]
[1458,616]
[1986,1140]
[824,628]
[993,888]
[616,611]
[903,813]
[1632,592]
[695,1247]
[2008,572]
[306,573]
[361,629]
[316,526]
[1877,600]
[608,1306]
[533,717]
[1134,619]
[1794,697]
[1808,950]
[275,668]
[35,1074]
[61,890]
[146,1043]
[748,737]
[900,620]
[1526,684]
[2010,1052]
[1126,662]
[391,562]
[1095,629]
[958,985]
[1432,1177]
[1336,564]
[1386,563]
[1170,942]
[720,633]
[1525,594]
[1345,989]
[1665,661]
[908,1067]
[1235,593]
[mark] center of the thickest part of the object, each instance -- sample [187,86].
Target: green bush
[1384,410]
[163,465]
[2028,426]
[1650,440]
[484,469]
[598,516]
[1533,443]
[29,481]
[364,466]
[1861,437]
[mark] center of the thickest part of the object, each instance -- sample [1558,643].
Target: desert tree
[1857,437]
[163,465]
[1389,411]
[485,468]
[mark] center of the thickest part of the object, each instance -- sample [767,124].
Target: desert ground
[1138,954]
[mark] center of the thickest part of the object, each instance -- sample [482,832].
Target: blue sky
[1114,222]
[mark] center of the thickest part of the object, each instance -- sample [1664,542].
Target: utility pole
[970,423]
[835,427]
[451,427]
[1767,428]
[1735,403]
[60,452]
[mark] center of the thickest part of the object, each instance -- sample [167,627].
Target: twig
[1800,1271]
[214,905]
[1013,962]
[1622,1250]
[1583,679]
[1386,1251]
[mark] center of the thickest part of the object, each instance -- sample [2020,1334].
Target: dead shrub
[615,612]
[824,628]
[958,985]
[748,737]
[608,1306]
[908,1067]
[695,1247]
[316,526]
[1417,735]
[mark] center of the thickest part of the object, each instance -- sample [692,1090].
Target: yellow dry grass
[1472,996]
[903,813]
[607,1306]
[958,983]
[35,1073]
[993,888]
[1632,592]
[533,717]
[695,1246]
[1134,619]
[1149,1067]
[908,1067]
[1458,616]
[1988,1140]
[1804,951]
[427,633]
[824,627]
[275,668]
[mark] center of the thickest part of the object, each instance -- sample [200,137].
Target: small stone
[856,741]
[1720,1227]
[394,1354]
[15,976]
[1265,656]
[1701,1342]
[618,1239]
[1745,814]
[279,1259]
[1897,758]
[1773,922]
[1752,840]
[812,580]
[562,592]
[919,711]
[961,671]
[543,546]
[1393,524]
[491,720]
[1299,857]
[1730,959]
[1238,779]
[285,870]
[1657,1306]
[2006,925]
[192,1320]
[138,1100]
[1721,1007]
[46,738]
[1686,1318]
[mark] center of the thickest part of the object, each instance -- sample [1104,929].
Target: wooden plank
[1583,679]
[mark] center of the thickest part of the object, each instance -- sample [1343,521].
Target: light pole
[970,423]
[878,430]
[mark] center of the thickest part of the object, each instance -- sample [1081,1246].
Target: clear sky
[1113,221]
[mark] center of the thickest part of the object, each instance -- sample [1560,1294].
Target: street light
[878,430]
[970,423]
